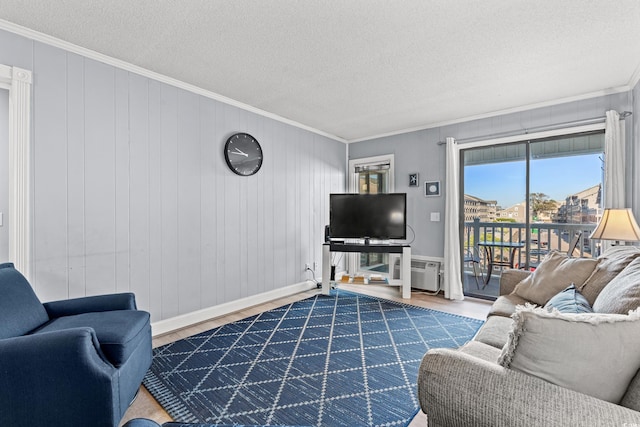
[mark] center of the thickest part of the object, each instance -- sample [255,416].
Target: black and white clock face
[243,154]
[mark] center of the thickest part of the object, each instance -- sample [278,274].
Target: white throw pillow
[595,354]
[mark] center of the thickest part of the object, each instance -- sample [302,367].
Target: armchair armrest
[110,302]
[457,389]
[510,278]
[65,370]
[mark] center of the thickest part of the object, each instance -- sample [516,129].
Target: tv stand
[404,250]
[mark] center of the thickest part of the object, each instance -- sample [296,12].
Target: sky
[556,177]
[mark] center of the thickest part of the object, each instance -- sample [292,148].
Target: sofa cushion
[569,300]
[481,351]
[631,398]
[622,293]
[595,354]
[510,277]
[506,305]
[555,273]
[612,262]
[20,309]
[495,331]
[119,332]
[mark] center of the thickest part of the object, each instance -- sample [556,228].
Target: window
[536,196]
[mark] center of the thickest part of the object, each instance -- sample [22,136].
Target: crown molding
[604,92]
[635,78]
[70,47]
[88,53]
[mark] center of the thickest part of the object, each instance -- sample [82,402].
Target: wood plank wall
[131,191]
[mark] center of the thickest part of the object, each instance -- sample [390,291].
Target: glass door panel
[566,193]
[373,182]
[494,188]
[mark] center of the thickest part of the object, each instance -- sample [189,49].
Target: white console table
[403,250]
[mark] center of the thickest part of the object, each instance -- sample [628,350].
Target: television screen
[374,216]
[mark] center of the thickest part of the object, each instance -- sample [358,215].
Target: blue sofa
[77,362]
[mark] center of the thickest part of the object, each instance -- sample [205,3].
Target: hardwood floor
[146,406]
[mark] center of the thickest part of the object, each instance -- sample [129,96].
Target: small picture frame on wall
[414,180]
[431,188]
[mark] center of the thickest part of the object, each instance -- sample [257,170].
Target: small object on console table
[358,280]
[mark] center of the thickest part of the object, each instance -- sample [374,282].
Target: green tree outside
[540,202]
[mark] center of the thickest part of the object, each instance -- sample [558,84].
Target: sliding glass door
[522,200]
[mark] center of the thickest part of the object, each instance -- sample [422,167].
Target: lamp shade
[617,224]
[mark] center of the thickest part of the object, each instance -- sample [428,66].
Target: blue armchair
[78,362]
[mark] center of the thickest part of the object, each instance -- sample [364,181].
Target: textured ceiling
[362,68]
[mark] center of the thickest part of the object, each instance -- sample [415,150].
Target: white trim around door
[19,81]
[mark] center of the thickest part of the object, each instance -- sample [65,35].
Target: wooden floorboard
[145,406]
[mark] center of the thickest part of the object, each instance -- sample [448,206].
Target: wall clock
[243,154]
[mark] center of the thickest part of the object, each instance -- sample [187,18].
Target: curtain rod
[525,131]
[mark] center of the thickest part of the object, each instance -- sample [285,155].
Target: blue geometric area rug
[339,360]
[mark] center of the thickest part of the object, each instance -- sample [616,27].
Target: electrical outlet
[315,265]
[307,267]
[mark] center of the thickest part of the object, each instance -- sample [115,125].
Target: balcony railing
[542,238]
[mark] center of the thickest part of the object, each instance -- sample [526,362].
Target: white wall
[131,191]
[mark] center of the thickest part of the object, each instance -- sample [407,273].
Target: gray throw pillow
[622,293]
[555,273]
[570,300]
[612,262]
[595,354]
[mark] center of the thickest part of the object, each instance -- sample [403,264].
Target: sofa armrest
[510,278]
[142,422]
[457,390]
[65,372]
[110,302]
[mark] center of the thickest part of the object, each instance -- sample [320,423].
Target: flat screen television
[373,216]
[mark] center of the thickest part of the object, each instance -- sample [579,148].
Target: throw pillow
[555,273]
[622,293]
[569,300]
[612,262]
[594,354]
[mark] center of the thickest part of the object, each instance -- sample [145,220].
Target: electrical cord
[414,234]
[413,238]
[436,292]
[313,274]
[339,258]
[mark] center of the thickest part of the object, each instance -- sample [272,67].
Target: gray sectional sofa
[533,365]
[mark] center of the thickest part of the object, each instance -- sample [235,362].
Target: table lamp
[617,224]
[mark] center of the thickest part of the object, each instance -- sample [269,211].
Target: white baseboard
[188,319]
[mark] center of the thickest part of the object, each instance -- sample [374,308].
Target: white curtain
[614,170]
[452,279]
